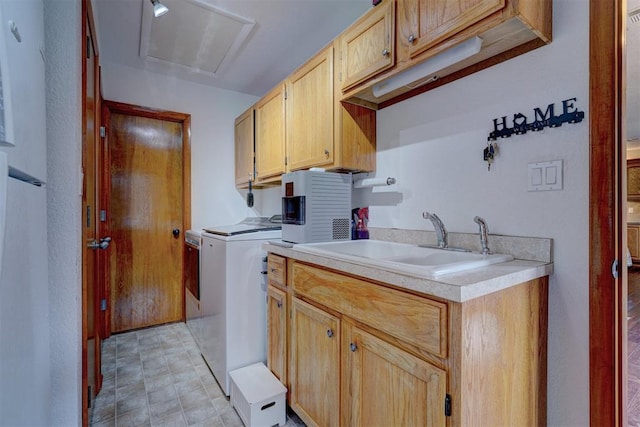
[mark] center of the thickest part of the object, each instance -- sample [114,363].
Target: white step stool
[258,396]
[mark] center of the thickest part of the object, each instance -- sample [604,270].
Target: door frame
[607,224]
[109,107]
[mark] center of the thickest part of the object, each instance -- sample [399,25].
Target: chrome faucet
[438,226]
[484,238]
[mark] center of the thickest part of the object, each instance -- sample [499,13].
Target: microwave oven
[316,206]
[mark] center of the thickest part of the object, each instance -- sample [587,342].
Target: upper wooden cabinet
[425,29]
[270,135]
[244,148]
[322,131]
[423,23]
[310,113]
[368,46]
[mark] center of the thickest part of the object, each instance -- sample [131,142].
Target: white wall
[433,143]
[214,198]
[24,295]
[63,20]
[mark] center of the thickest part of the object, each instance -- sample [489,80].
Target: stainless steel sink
[402,258]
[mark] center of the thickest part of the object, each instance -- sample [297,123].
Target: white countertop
[458,287]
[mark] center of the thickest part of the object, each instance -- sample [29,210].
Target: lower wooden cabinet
[383,385]
[315,365]
[277,332]
[363,353]
[633,241]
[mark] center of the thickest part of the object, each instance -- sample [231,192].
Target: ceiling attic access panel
[193,36]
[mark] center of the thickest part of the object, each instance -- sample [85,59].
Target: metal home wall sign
[520,123]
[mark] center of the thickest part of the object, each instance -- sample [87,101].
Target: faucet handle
[484,234]
[480,221]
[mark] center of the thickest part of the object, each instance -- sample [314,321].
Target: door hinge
[103,304]
[88,47]
[447,405]
[286,95]
[614,269]
[103,131]
[103,215]
[88,216]
[89,397]
[285,160]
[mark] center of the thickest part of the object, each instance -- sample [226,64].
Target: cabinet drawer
[276,269]
[415,320]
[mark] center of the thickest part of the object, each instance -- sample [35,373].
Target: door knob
[102,244]
[176,232]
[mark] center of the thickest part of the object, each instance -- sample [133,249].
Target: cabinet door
[633,180]
[424,23]
[270,134]
[277,332]
[315,365]
[369,46]
[633,241]
[310,113]
[383,385]
[244,148]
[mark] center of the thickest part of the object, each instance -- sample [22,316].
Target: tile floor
[157,377]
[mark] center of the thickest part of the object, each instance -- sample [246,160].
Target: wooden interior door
[147,215]
[607,217]
[91,362]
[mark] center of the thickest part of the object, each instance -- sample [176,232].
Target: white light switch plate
[544,176]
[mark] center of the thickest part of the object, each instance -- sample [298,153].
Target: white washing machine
[233,325]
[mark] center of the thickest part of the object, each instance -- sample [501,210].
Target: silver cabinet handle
[411,38]
[279,304]
[385,52]
[353,347]
[326,152]
[330,333]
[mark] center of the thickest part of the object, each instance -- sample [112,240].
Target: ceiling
[267,39]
